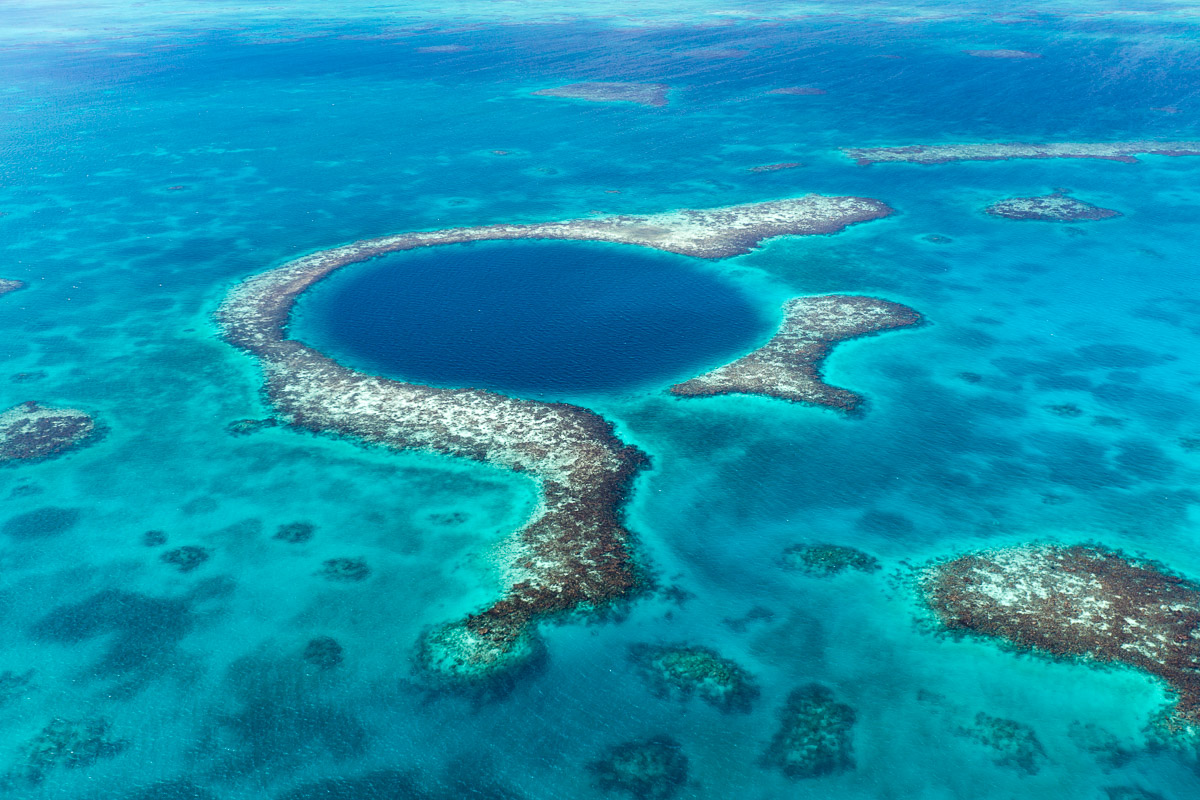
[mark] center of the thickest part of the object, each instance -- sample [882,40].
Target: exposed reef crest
[574,553]
[1080,601]
[946,153]
[789,365]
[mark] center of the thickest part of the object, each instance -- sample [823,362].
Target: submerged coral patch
[823,560]
[1056,207]
[645,769]
[324,652]
[646,94]
[1014,743]
[789,366]
[346,570]
[31,432]
[683,671]
[41,522]
[1082,601]
[8,285]
[295,532]
[815,735]
[186,558]
[70,744]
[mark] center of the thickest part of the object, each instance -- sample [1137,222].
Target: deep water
[149,160]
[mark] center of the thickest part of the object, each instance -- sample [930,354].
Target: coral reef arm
[789,365]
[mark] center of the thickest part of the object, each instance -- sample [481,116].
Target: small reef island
[789,365]
[646,94]
[31,432]
[1056,207]
[946,153]
[574,554]
[8,285]
[1078,602]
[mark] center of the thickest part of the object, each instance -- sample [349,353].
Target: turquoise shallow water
[286,135]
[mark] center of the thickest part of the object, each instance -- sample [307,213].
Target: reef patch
[682,671]
[646,94]
[64,743]
[1056,207]
[31,432]
[1083,602]
[1002,53]
[815,735]
[9,285]
[574,554]
[788,367]
[946,153]
[826,560]
[646,769]
[1014,743]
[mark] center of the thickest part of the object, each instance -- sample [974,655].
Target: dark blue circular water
[531,318]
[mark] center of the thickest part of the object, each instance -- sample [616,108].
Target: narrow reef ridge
[945,153]
[31,432]
[789,366]
[645,94]
[1017,54]
[1057,207]
[8,285]
[1081,601]
[574,553]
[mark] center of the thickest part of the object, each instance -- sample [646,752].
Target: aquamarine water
[153,156]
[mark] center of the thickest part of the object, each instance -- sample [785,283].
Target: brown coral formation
[31,432]
[1081,601]
[646,94]
[7,285]
[789,365]
[574,553]
[945,153]
[1056,207]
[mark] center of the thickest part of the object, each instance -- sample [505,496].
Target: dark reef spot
[185,558]
[181,789]
[323,652]
[1120,356]
[1066,410]
[681,671]
[449,518]
[154,538]
[1108,422]
[48,521]
[648,769]
[244,427]
[345,569]
[823,560]
[970,377]
[814,736]
[26,490]
[146,629]
[28,377]
[380,785]
[66,743]
[935,238]
[756,614]
[1102,744]
[885,523]
[295,532]
[14,684]
[1015,744]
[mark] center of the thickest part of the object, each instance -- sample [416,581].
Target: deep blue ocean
[154,155]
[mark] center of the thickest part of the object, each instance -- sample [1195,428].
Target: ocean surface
[154,155]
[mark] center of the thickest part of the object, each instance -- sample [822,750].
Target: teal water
[290,133]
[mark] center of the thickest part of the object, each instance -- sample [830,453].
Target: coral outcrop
[646,94]
[789,365]
[1079,602]
[1056,207]
[824,560]
[646,769]
[815,735]
[683,671]
[31,432]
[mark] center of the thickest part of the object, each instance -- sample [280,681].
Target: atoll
[186,558]
[646,769]
[8,285]
[946,153]
[646,94]
[323,652]
[1081,602]
[574,554]
[824,560]
[789,365]
[683,671]
[31,432]
[815,735]
[1056,207]
[1015,744]
[65,743]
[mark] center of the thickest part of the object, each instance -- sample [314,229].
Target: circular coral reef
[814,736]
[682,671]
[324,652]
[646,769]
[31,432]
[823,560]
